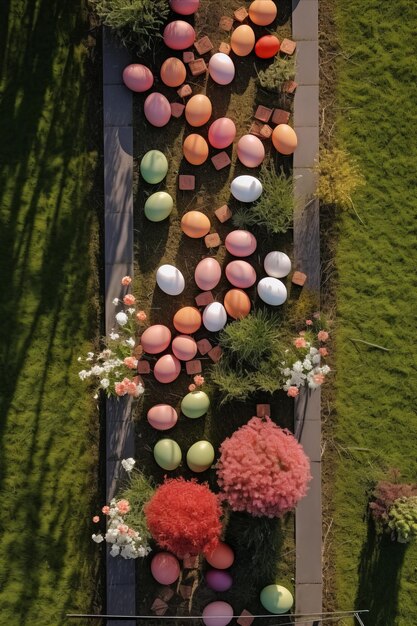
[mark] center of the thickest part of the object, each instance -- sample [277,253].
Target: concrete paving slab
[307,405]
[117,105]
[308,146]
[306,106]
[307,63]
[305,185]
[305,19]
[309,600]
[120,442]
[118,169]
[310,438]
[118,238]
[113,67]
[307,244]
[121,599]
[308,532]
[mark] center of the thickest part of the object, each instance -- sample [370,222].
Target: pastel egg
[242,40]
[284,139]
[167,454]
[218,580]
[195,404]
[222,132]
[214,317]
[195,224]
[250,151]
[155,339]
[272,291]
[207,274]
[267,46]
[187,320]
[165,568]
[262,12]
[237,303]
[184,347]
[170,280]
[154,166]
[162,416]
[246,188]
[173,72]
[195,149]
[240,243]
[276,599]
[241,274]
[277,264]
[179,35]
[217,613]
[222,556]
[221,68]
[157,109]
[198,110]
[200,456]
[184,7]
[158,206]
[137,77]
[167,369]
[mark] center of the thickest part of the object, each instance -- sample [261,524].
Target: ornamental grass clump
[280,71]
[262,470]
[252,338]
[393,507]
[403,519]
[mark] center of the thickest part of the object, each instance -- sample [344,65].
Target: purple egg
[218,580]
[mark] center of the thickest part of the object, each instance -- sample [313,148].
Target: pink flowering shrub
[262,470]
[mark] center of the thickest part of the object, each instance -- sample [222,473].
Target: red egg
[266,47]
[167,369]
[156,339]
[207,274]
[179,35]
[184,347]
[241,274]
[137,77]
[222,557]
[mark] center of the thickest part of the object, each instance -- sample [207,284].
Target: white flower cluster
[107,363]
[128,464]
[306,372]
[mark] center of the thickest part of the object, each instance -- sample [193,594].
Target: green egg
[200,456]
[154,166]
[195,404]
[158,206]
[167,454]
[276,599]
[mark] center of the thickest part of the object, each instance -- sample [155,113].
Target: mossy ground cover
[48,241]
[376,425]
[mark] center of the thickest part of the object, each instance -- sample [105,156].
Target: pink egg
[167,369]
[156,339]
[241,274]
[217,613]
[179,35]
[250,150]
[218,580]
[207,274]
[184,347]
[184,7]
[165,568]
[157,109]
[222,132]
[137,77]
[162,416]
[240,243]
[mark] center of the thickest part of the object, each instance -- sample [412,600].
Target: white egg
[277,264]
[170,280]
[272,291]
[246,188]
[221,68]
[214,317]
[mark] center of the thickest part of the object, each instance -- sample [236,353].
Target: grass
[376,425]
[48,242]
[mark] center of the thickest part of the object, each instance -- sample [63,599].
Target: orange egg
[242,40]
[284,139]
[262,12]
[237,303]
[222,557]
[173,72]
[195,149]
[187,320]
[198,110]
[195,224]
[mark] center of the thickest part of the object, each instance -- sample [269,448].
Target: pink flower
[319,379]
[191,387]
[120,389]
[322,335]
[199,380]
[293,391]
[300,342]
[131,532]
[123,506]
[126,280]
[323,351]
[309,322]
[131,388]
[123,529]
[131,362]
[316,315]
[141,316]
[129,299]
[105,510]
[96,519]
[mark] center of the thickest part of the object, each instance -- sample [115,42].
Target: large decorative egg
[267,46]
[200,456]
[250,150]
[137,77]
[167,369]
[242,40]
[222,557]
[162,416]
[276,599]
[184,347]
[184,7]
[272,291]
[218,580]
[154,166]
[158,206]
[157,109]
[195,404]
[167,454]
[262,12]
[237,303]
[195,149]
[284,139]
[222,133]
[207,274]
[170,280]
[241,274]
[187,320]
[195,224]
[198,110]
[240,243]
[217,613]
[165,568]
[173,72]
[277,264]
[221,68]
[155,339]
[214,317]
[179,35]
[246,188]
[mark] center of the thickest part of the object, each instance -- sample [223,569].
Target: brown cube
[263,409]
[224,47]
[289,86]
[265,131]
[177,109]
[188,56]
[255,129]
[186,591]
[203,299]
[220,160]
[144,367]
[186,182]
[280,116]
[245,619]
[241,14]
[184,91]
[166,594]
[197,67]
[223,213]
[138,351]
[193,367]
[203,45]
[191,562]
[159,607]
[298,278]
[212,240]
[204,346]
[226,23]
[288,46]
[215,354]
[263,114]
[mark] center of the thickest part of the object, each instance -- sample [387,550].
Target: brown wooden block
[241,14]
[144,367]
[263,114]
[188,56]
[223,213]
[184,91]
[215,354]
[263,409]
[177,109]
[191,561]
[224,47]
[280,116]
[220,160]
[226,23]
[197,67]
[203,45]
[166,594]
[288,46]
[193,367]
[289,86]
[204,298]
[265,131]
[159,607]
[212,240]
[298,278]
[203,346]
[255,129]
[186,182]
[245,619]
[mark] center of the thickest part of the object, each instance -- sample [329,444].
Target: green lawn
[48,241]
[376,302]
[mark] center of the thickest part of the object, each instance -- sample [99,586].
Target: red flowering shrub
[263,470]
[184,517]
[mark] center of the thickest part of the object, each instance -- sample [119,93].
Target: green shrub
[139,492]
[402,518]
[251,339]
[234,383]
[281,70]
